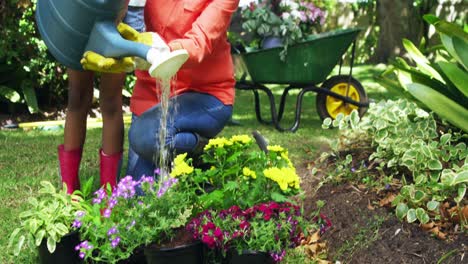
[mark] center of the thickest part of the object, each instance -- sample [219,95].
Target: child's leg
[110,100]
[79,101]
[113,128]
[80,96]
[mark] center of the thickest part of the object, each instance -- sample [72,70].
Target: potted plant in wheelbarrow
[47,226]
[119,226]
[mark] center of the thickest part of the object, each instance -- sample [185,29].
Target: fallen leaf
[387,200]
[369,205]
[428,226]
[465,213]
[454,214]
[438,233]
[314,237]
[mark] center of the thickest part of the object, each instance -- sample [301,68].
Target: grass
[28,157]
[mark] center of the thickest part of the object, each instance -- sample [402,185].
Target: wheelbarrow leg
[283,101]
[297,120]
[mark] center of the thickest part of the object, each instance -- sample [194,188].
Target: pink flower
[209,241]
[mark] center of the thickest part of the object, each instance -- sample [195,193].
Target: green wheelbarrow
[307,65]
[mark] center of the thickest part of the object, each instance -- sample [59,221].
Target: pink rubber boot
[69,167]
[110,168]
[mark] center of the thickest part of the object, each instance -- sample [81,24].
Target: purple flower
[115,242]
[83,246]
[278,257]
[157,171]
[100,195]
[131,225]
[111,231]
[112,203]
[107,213]
[125,188]
[166,185]
[80,214]
[76,223]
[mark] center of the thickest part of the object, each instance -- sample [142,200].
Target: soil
[181,238]
[364,232]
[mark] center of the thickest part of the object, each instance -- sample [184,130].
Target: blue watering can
[71,27]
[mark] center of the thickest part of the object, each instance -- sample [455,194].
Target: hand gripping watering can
[71,27]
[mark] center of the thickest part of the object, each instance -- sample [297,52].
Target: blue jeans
[134,18]
[198,113]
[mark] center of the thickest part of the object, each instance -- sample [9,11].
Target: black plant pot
[248,257]
[186,254]
[64,252]
[138,257]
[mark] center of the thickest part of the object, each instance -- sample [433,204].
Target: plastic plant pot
[186,254]
[64,252]
[248,257]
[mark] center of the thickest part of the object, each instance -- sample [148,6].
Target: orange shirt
[200,26]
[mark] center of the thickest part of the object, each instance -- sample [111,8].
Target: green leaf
[422,62]
[457,76]
[419,196]
[327,123]
[19,245]
[51,244]
[432,205]
[39,237]
[10,94]
[278,197]
[434,165]
[13,236]
[61,229]
[420,179]
[231,185]
[460,193]
[411,215]
[461,177]
[431,19]
[407,75]
[422,216]
[401,210]
[444,107]
[30,96]
[445,138]
[461,48]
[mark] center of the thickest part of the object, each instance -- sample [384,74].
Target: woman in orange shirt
[203,89]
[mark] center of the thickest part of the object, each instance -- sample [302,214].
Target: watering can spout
[69,28]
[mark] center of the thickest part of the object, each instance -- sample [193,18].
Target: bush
[26,66]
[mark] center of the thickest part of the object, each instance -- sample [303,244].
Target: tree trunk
[397,19]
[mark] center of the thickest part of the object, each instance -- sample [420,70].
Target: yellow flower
[181,167]
[218,143]
[244,139]
[248,172]
[276,148]
[284,177]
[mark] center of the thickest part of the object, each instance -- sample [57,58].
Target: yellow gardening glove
[151,39]
[95,62]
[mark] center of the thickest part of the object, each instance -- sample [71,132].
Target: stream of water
[162,157]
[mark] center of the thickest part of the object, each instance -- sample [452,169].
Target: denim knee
[142,141]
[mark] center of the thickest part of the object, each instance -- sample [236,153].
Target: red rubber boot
[110,168]
[69,167]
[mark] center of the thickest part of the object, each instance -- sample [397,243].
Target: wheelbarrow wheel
[329,106]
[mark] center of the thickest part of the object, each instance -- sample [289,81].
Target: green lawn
[28,157]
